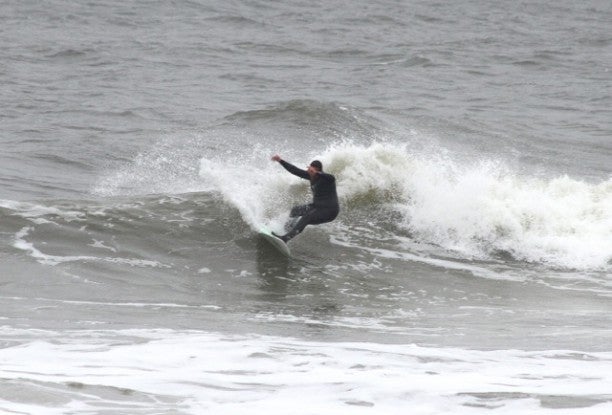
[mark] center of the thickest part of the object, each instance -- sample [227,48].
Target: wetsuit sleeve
[294,170]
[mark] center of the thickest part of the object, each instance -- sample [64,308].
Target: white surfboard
[275,241]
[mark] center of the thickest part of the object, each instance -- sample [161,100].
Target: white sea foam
[483,207]
[479,271]
[100,244]
[34,212]
[145,371]
[22,244]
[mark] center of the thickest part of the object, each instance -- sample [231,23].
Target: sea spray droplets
[257,191]
[373,174]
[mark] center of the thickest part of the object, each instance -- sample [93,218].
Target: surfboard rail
[276,242]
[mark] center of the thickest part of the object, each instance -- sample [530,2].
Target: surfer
[324,207]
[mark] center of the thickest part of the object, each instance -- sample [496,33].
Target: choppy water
[469,270]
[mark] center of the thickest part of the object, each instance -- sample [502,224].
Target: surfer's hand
[276,157]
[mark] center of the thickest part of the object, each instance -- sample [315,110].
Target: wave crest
[482,208]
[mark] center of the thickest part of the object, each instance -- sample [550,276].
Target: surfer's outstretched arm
[291,168]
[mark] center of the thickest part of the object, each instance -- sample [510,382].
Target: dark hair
[317,165]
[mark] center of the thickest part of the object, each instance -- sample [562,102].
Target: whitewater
[477,209]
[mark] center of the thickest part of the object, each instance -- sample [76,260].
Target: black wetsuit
[324,207]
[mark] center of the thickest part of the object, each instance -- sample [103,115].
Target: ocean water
[469,271]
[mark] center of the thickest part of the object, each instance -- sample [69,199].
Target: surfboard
[274,241]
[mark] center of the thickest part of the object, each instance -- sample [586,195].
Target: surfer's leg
[312,216]
[300,210]
[302,222]
[320,216]
[294,216]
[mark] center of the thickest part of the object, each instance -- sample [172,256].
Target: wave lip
[482,208]
[560,222]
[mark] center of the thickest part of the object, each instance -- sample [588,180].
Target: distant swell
[333,120]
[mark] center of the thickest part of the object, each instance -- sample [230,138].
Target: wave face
[475,207]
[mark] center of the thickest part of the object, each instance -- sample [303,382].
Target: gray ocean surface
[468,272]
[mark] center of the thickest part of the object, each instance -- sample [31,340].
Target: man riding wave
[324,207]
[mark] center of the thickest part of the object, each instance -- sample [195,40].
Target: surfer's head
[317,165]
[314,169]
